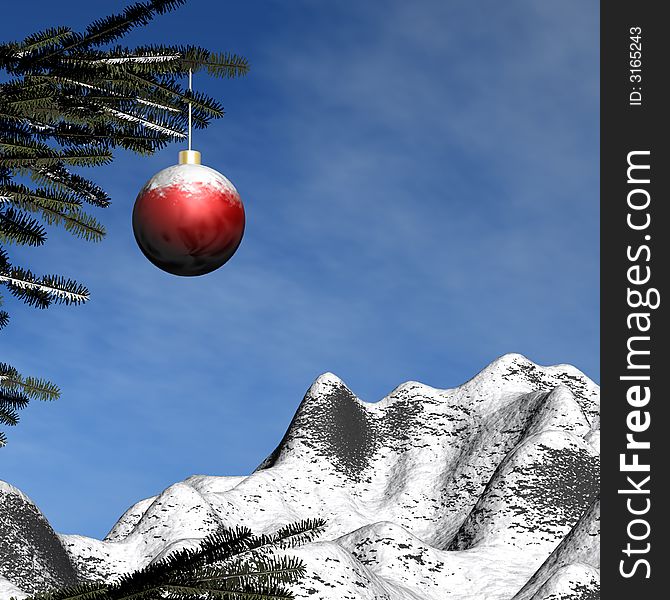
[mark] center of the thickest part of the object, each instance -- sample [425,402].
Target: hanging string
[190,107]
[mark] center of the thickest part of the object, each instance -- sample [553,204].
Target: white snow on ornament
[188,174]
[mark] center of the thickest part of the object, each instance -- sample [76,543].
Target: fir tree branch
[203,106]
[79,157]
[18,159]
[111,94]
[175,60]
[8,417]
[151,59]
[4,315]
[73,219]
[34,102]
[16,392]
[16,142]
[106,30]
[13,399]
[289,536]
[127,136]
[225,64]
[259,593]
[215,548]
[86,157]
[297,534]
[7,114]
[43,291]
[19,228]
[133,118]
[284,570]
[40,197]
[199,574]
[28,387]
[110,28]
[31,387]
[24,85]
[58,176]
[49,38]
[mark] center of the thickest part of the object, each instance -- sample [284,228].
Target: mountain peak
[324,383]
[7,489]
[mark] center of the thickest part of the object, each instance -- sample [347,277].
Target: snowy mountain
[485,491]
[29,546]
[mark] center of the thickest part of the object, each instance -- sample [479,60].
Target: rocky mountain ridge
[488,490]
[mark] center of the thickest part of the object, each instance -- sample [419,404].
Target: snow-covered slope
[31,554]
[472,492]
[573,565]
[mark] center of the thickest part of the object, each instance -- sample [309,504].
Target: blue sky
[421,187]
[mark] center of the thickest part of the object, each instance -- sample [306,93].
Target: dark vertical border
[628,128]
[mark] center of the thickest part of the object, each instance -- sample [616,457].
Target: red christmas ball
[188,220]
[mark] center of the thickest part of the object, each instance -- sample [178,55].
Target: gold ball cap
[189,157]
